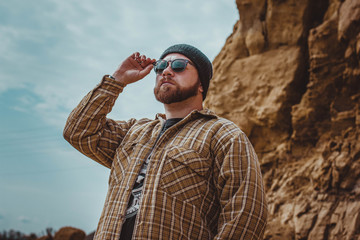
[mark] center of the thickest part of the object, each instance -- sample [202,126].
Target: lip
[166,82]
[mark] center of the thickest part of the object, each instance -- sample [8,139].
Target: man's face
[172,87]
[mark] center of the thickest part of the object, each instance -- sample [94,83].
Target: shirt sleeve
[87,128]
[240,189]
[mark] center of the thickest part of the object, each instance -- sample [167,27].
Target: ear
[201,89]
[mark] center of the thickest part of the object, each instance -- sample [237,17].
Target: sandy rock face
[289,76]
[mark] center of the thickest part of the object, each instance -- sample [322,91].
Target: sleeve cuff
[110,84]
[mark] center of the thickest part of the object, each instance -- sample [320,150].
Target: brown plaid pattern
[203,180]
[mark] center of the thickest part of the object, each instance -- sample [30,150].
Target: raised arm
[87,128]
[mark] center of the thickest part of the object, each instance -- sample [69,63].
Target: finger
[149,60]
[142,61]
[134,56]
[137,61]
[146,70]
[149,67]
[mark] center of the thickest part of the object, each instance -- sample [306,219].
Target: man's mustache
[167,79]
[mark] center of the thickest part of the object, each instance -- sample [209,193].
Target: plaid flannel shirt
[203,180]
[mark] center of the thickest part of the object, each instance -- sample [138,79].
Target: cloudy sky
[52,52]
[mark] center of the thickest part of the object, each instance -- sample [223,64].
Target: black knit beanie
[201,61]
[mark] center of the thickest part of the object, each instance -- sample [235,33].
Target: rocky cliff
[289,76]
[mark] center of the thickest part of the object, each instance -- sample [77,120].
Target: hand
[133,68]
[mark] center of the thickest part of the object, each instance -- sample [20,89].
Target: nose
[168,70]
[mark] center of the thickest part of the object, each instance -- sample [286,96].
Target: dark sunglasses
[177,65]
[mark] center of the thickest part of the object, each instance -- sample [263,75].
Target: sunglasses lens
[160,66]
[178,65]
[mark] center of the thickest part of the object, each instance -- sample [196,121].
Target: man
[188,174]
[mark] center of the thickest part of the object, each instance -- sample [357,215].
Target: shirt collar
[194,113]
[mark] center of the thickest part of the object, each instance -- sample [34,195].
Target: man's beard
[173,94]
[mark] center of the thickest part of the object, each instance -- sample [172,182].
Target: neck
[183,108]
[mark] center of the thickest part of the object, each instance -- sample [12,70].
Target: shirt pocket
[185,175]
[121,163]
